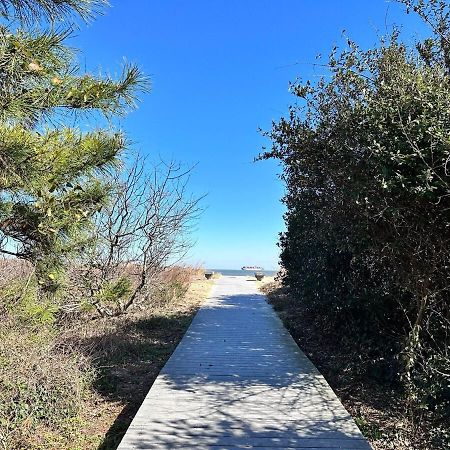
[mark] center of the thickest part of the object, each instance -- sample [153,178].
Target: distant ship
[251,268]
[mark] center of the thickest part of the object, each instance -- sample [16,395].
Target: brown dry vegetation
[379,408]
[78,385]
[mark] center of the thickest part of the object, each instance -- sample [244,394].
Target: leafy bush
[366,156]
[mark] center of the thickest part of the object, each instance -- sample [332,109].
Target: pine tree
[52,176]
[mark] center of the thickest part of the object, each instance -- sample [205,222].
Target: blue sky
[220,70]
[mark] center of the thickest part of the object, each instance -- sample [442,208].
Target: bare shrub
[144,231]
[13,269]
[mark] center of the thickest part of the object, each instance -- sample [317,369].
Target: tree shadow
[261,414]
[127,358]
[343,355]
[237,380]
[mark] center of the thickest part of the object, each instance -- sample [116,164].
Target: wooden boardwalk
[238,380]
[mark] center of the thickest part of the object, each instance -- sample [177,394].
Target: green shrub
[20,299]
[365,155]
[114,291]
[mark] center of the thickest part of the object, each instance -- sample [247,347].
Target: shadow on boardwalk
[134,355]
[129,352]
[237,380]
[235,422]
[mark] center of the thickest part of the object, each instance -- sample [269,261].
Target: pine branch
[38,77]
[30,11]
[34,162]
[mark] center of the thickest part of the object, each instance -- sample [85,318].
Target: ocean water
[242,273]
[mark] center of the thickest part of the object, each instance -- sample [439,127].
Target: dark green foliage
[366,161]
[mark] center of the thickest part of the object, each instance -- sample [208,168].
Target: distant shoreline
[243,273]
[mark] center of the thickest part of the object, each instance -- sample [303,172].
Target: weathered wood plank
[238,380]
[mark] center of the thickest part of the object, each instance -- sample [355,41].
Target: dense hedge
[366,160]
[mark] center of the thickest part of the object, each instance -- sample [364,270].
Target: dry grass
[267,284]
[78,387]
[12,270]
[128,352]
[42,388]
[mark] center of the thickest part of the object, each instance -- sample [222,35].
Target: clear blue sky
[220,70]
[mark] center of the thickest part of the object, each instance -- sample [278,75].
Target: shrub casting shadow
[128,359]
